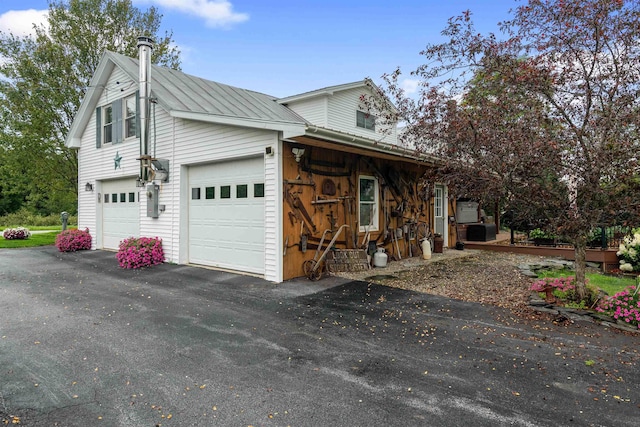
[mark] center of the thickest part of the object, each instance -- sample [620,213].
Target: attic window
[365,120]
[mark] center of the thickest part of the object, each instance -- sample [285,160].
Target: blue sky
[287,47]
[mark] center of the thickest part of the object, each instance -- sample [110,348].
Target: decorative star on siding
[116,160]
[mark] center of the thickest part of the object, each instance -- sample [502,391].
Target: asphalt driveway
[85,343]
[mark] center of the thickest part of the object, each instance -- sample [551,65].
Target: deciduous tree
[543,116]
[44,77]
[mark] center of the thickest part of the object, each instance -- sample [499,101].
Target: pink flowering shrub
[623,306]
[563,284]
[73,240]
[19,233]
[140,252]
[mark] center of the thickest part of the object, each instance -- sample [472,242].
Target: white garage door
[120,212]
[226,215]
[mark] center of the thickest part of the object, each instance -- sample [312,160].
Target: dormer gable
[341,108]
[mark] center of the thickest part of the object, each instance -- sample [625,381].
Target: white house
[211,168]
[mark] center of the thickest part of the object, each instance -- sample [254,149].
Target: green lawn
[609,284]
[43,239]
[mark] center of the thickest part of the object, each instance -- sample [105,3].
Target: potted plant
[595,238]
[541,237]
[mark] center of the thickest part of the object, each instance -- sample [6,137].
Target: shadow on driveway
[83,342]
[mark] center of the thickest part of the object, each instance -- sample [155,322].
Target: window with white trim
[117,121]
[130,117]
[365,120]
[438,199]
[368,203]
[107,124]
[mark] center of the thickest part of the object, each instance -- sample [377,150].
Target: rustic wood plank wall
[320,192]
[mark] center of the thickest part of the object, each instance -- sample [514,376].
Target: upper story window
[107,127]
[365,120]
[130,117]
[116,121]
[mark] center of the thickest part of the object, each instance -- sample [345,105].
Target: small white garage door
[120,212]
[226,215]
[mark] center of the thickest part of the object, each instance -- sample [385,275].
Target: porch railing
[604,237]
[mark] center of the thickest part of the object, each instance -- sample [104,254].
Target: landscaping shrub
[73,240]
[623,306]
[564,291]
[629,253]
[140,252]
[562,284]
[23,216]
[19,233]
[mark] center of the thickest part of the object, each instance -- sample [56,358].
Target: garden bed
[540,305]
[495,278]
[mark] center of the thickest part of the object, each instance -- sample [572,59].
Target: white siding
[161,146]
[195,143]
[338,112]
[198,143]
[342,116]
[312,110]
[97,165]
[183,143]
[273,214]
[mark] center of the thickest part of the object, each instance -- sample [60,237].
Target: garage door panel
[120,212]
[228,254]
[227,232]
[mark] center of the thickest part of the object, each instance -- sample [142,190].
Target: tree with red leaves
[544,120]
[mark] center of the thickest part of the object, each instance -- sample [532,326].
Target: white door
[120,211]
[226,215]
[438,210]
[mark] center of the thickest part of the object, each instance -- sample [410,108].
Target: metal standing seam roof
[177,91]
[184,95]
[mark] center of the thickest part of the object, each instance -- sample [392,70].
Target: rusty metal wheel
[308,268]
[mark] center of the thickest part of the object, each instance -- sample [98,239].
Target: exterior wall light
[298,153]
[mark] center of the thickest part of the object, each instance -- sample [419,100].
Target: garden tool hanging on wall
[300,212]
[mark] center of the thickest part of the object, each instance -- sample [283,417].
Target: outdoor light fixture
[88,187]
[298,153]
[161,169]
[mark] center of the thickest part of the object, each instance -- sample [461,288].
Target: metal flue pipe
[145,47]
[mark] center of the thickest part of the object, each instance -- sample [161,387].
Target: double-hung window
[117,121]
[107,127]
[368,203]
[130,117]
[365,120]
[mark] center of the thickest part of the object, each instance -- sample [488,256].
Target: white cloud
[20,22]
[410,86]
[216,13]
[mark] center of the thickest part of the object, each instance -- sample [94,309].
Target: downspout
[145,47]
